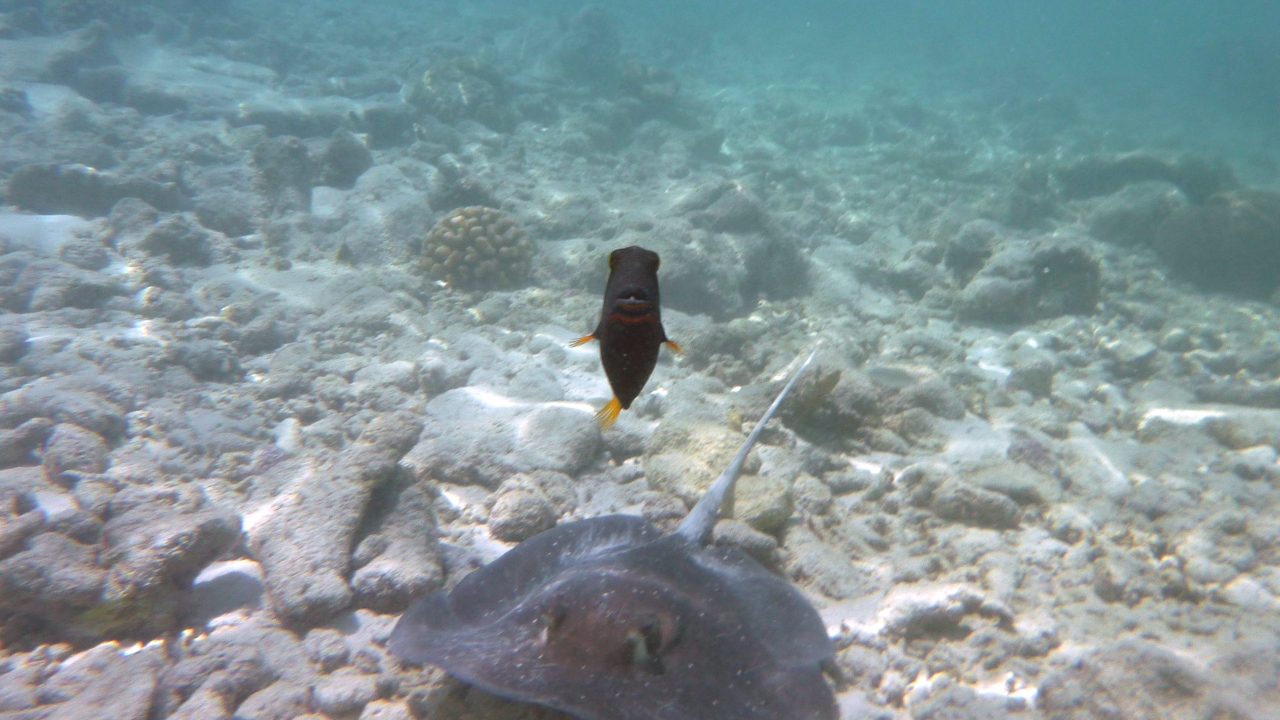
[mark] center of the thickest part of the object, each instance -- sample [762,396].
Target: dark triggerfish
[630,328]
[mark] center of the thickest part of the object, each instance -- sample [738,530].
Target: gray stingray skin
[608,619]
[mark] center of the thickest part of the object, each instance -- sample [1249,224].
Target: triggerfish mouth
[630,329]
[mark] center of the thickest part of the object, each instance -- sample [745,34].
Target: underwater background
[288,291]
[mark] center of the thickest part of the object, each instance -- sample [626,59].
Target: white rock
[42,234]
[1249,594]
[226,586]
[385,710]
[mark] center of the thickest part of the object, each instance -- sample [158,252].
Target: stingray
[609,619]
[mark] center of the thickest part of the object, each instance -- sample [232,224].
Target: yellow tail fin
[675,347]
[608,414]
[583,340]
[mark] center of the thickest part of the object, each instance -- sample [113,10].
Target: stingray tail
[697,525]
[608,414]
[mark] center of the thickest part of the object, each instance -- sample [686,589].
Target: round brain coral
[475,247]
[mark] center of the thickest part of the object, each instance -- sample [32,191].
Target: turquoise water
[293,300]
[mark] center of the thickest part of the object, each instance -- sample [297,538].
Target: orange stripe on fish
[608,414]
[631,318]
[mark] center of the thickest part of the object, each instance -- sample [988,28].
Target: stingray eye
[652,637]
[645,642]
[551,621]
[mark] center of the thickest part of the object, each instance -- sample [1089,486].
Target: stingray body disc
[607,620]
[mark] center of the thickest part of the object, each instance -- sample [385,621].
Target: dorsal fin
[697,525]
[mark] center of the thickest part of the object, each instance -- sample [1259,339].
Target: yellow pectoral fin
[608,414]
[583,340]
[675,347]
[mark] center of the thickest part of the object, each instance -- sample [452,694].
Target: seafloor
[1033,475]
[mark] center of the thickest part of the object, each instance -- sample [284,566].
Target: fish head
[634,258]
[632,291]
